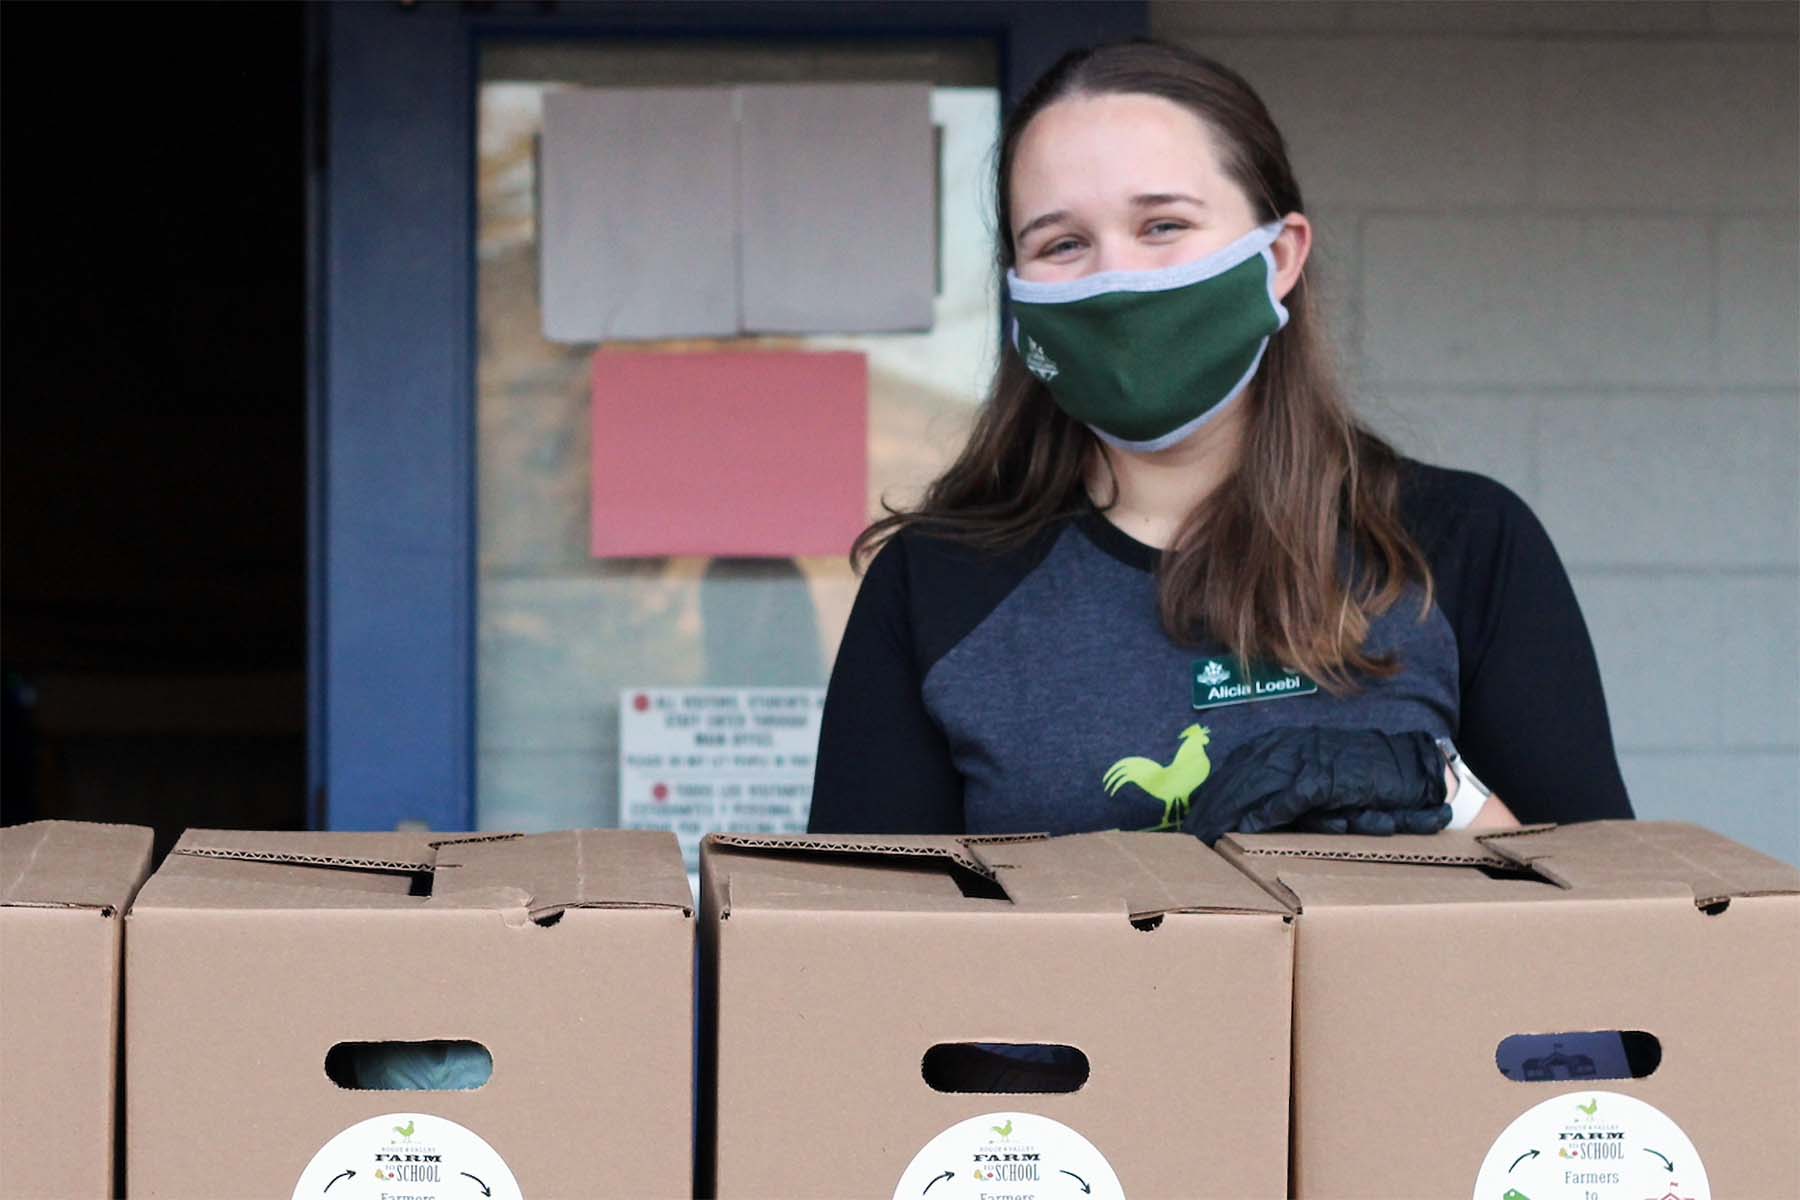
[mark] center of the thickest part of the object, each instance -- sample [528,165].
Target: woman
[1168,542]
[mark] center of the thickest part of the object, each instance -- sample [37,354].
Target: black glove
[1325,781]
[1376,822]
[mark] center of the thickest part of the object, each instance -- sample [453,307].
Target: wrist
[1467,795]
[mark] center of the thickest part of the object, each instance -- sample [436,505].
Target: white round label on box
[412,1155]
[1592,1146]
[1016,1155]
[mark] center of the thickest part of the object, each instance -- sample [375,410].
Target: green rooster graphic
[1173,784]
[1005,1130]
[405,1130]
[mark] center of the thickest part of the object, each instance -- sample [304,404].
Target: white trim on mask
[1161,279]
[1182,433]
[1281,311]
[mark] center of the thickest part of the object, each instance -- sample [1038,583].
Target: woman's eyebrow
[1152,199]
[1145,200]
[1049,218]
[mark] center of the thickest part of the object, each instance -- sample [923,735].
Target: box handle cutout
[433,1066]
[1561,1057]
[1015,1067]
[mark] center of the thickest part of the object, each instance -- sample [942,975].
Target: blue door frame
[391,454]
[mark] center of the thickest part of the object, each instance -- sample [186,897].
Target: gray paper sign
[638,214]
[837,215]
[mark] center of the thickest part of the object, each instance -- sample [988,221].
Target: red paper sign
[757,454]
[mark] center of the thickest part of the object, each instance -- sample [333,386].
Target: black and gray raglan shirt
[980,692]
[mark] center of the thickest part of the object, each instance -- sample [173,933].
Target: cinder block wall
[1558,244]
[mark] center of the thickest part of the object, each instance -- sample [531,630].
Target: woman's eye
[1061,245]
[1169,226]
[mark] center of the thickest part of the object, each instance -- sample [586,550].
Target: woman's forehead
[1109,148]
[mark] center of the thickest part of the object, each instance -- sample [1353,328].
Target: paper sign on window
[696,761]
[757,454]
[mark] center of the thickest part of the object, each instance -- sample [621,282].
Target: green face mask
[1145,358]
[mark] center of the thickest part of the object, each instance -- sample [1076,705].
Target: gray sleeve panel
[883,764]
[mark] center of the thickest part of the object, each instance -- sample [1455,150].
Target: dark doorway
[153,414]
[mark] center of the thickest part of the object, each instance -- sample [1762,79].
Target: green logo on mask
[1037,362]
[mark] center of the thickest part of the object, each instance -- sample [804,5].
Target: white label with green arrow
[416,1155]
[1592,1146]
[1014,1154]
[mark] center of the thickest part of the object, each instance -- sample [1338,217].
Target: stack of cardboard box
[1607,1011]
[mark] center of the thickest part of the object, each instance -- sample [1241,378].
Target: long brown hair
[1261,563]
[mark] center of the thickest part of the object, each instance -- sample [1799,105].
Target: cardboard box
[1417,957]
[833,967]
[64,886]
[568,956]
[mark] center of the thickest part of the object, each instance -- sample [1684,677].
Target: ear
[1290,251]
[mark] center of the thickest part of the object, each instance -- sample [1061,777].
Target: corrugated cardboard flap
[1140,874]
[577,868]
[1452,848]
[872,872]
[1148,874]
[72,864]
[289,869]
[535,874]
[1595,859]
[1618,855]
[957,849]
[1304,869]
[404,852]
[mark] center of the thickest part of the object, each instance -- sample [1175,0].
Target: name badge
[1222,681]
